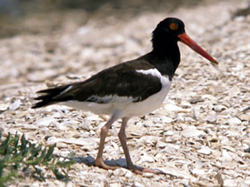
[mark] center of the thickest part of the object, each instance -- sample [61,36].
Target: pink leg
[104,132]
[123,139]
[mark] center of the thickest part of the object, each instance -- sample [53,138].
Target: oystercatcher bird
[132,88]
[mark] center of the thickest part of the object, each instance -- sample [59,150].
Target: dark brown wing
[120,80]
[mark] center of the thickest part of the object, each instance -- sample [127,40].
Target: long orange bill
[184,38]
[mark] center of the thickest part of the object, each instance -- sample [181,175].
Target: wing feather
[119,81]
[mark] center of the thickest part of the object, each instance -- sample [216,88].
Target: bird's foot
[101,164]
[140,170]
[133,168]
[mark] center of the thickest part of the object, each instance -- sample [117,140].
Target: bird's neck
[165,56]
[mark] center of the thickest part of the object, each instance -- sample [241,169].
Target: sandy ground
[197,137]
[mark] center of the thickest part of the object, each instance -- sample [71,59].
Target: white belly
[148,105]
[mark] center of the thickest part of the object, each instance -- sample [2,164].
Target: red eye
[173,26]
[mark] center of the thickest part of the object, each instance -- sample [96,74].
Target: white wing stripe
[165,81]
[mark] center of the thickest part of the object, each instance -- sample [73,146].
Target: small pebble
[211,118]
[15,105]
[192,131]
[205,150]
[233,121]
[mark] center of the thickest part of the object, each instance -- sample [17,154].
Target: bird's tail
[50,96]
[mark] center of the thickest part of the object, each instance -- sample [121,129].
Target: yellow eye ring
[173,26]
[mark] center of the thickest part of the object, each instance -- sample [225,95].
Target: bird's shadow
[90,161]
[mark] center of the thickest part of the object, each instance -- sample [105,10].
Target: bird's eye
[173,26]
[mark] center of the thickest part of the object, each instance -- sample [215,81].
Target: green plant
[19,158]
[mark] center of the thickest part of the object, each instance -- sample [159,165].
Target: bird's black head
[165,35]
[169,28]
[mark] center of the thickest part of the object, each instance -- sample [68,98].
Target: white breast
[153,102]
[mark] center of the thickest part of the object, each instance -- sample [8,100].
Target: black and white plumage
[133,88]
[132,91]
